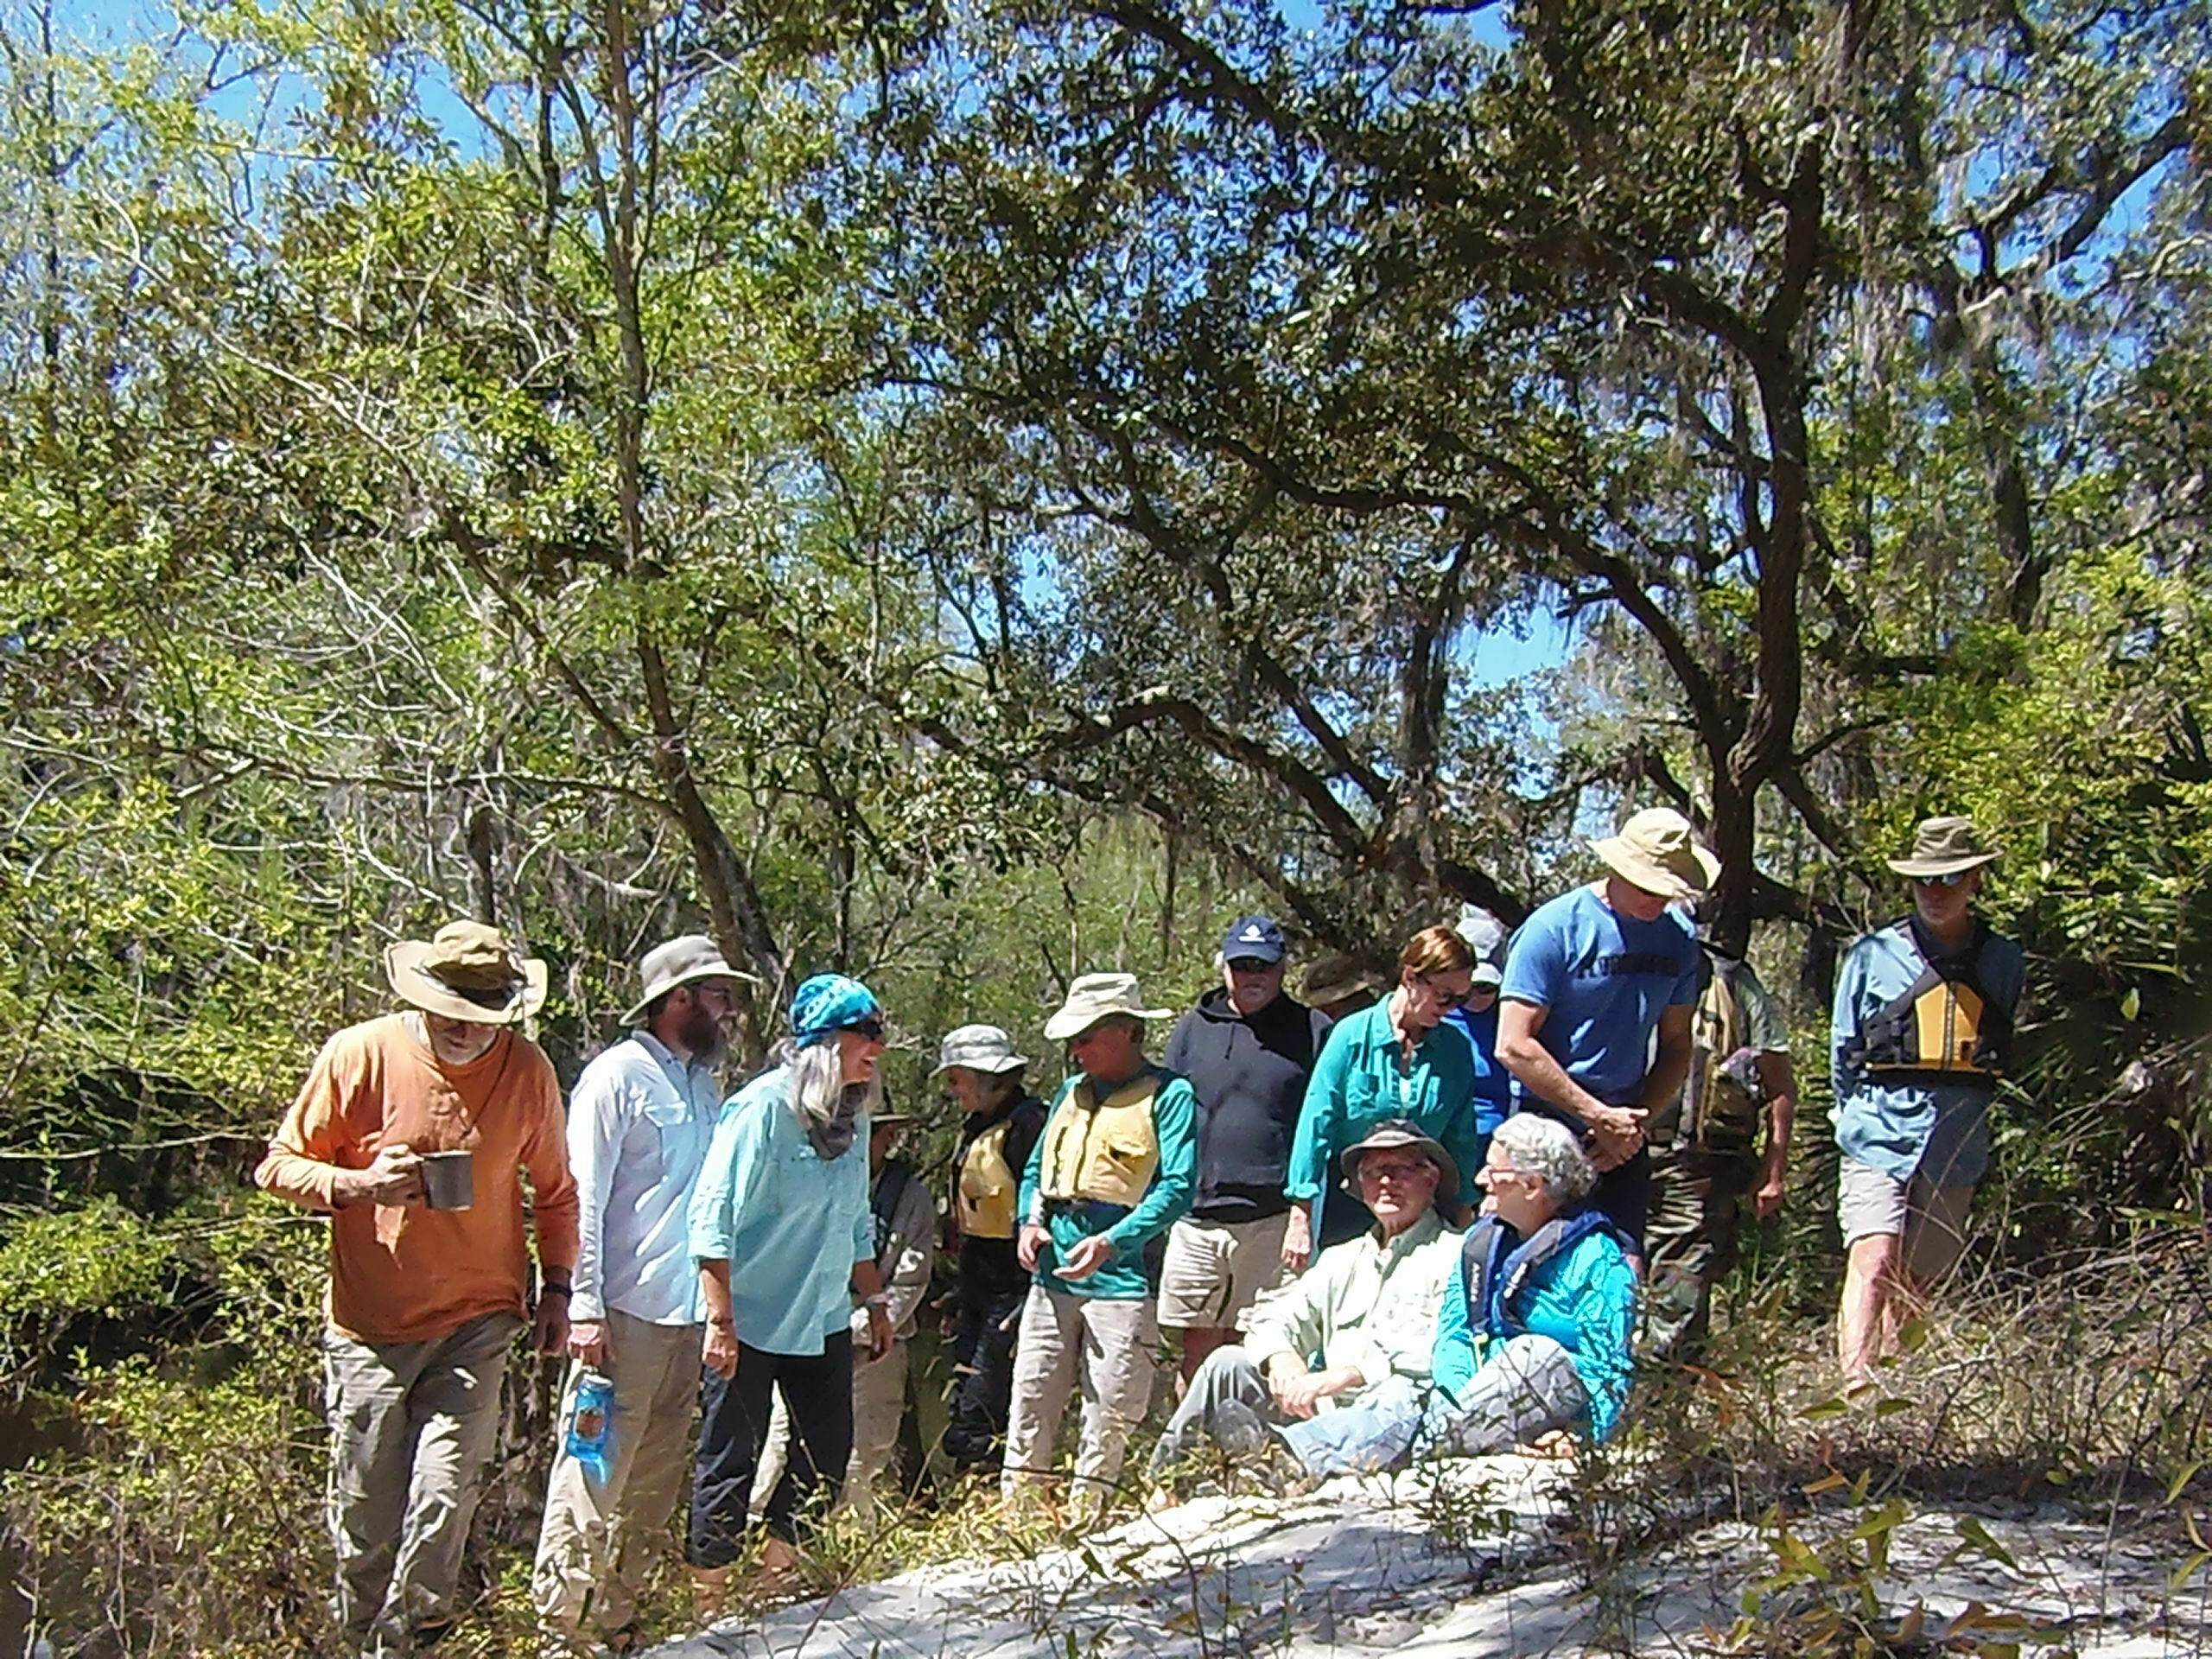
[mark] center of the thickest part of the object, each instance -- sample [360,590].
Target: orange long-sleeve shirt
[403,1273]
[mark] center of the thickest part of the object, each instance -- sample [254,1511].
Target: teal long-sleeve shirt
[1583,1299]
[790,1222]
[1361,1079]
[1122,1279]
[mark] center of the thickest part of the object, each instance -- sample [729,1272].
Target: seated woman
[1534,1331]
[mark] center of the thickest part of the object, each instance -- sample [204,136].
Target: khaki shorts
[1931,1220]
[1216,1269]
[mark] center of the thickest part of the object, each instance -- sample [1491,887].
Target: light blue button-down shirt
[790,1223]
[1937,1130]
[639,1122]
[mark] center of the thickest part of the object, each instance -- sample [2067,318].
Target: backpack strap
[1496,1266]
[890,1192]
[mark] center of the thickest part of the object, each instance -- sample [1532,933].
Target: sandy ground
[1369,1566]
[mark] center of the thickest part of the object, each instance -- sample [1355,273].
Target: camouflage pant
[1697,1204]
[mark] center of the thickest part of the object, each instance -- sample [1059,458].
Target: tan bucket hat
[467,971]
[1094,997]
[684,961]
[1659,851]
[1393,1132]
[1943,847]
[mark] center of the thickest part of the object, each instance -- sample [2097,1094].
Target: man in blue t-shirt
[1589,979]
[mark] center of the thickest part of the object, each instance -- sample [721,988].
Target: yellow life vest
[1104,1150]
[1944,1028]
[983,1197]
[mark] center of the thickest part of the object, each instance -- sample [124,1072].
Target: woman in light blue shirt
[781,1231]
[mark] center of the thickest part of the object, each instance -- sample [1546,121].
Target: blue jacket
[1584,1299]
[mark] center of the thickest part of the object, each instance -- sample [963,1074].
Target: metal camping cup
[449,1179]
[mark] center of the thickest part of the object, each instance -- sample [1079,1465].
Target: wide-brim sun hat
[980,1048]
[684,961]
[1657,850]
[467,971]
[1943,847]
[1337,978]
[1094,997]
[1394,1132]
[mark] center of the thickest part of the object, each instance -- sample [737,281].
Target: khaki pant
[599,1537]
[412,1426]
[878,1409]
[1105,1346]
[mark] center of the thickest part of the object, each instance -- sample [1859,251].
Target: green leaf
[1974,1533]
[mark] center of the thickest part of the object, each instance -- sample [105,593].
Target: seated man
[1535,1331]
[1368,1307]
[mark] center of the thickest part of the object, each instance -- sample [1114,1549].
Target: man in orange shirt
[426,1298]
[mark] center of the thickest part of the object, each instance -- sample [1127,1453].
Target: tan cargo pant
[597,1541]
[878,1409]
[412,1426]
[1108,1348]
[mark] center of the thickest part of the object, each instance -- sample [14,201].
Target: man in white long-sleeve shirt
[640,1119]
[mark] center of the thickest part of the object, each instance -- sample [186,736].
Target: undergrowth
[178,1508]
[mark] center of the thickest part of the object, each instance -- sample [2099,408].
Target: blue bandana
[827,1004]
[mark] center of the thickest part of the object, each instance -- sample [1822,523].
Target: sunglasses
[1950,881]
[1250,965]
[1446,1001]
[871,1028]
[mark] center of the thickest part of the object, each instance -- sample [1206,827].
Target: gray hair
[818,1086]
[1546,1147]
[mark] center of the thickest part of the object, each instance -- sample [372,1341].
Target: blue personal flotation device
[1496,1262]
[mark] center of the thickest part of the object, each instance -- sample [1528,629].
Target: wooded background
[970,494]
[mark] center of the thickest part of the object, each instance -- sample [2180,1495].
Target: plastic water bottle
[591,1418]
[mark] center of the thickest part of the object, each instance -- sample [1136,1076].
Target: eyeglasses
[1398,1173]
[1446,1001]
[1951,879]
[871,1028]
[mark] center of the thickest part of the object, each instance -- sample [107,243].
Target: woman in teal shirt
[1396,1059]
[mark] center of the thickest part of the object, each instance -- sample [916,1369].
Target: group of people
[1397,1218]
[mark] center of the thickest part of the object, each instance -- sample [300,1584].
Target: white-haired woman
[1534,1333]
[781,1231]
